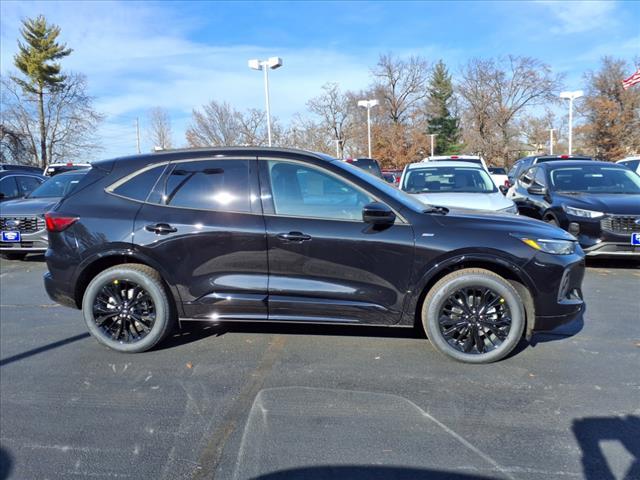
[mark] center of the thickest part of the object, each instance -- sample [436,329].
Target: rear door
[203,220]
[325,263]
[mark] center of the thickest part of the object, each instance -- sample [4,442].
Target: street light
[571,96]
[551,141]
[368,104]
[264,65]
[432,135]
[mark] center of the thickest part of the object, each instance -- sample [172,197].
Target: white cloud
[572,17]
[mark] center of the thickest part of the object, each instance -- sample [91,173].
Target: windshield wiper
[436,209]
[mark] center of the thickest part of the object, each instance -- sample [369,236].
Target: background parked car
[22,224]
[455,185]
[369,165]
[598,202]
[56,168]
[499,176]
[18,182]
[632,163]
[392,176]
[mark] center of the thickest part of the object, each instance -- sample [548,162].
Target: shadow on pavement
[590,432]
[6,463]
[366,472]
[44,348]
[595,262]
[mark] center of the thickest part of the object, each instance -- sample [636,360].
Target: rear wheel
[474,316]
[14,256]
[127,308]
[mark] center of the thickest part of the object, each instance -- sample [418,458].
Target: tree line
[500,108]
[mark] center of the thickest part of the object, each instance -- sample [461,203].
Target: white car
[458,158]
[454,185]
[632,163]
[499,176]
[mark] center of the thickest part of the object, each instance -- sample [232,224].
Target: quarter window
[139,186]
[304,191]
[221,185]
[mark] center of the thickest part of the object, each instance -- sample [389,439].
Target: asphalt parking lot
[239,401]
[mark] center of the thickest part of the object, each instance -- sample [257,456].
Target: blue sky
[180,55]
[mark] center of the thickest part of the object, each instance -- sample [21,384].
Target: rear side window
[139,186]
[220,185]
[8,188]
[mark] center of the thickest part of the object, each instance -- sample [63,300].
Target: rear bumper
[59,292]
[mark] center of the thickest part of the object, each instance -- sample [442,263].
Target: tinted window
[448,180]
[139,186]
[27,184]
[527,177]
[304,191]
[8,188]
[540,177]
[221,185]
[595,179]
[58,186]
[497,170]
[368,165]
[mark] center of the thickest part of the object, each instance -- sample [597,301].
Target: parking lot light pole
[571,96]
[368,104]
[551,141]
[432,135]
[264,65]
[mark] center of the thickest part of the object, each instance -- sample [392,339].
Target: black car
[18,182]
[598,202]
[22,226]
[370,165]
[266,234]
[523,163]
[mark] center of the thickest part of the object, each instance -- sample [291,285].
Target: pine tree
[36,60]
[441,121]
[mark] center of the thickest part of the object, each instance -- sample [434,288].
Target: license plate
[635,239]
[10,236]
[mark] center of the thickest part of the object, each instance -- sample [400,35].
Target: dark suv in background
[522,164]
[598,202]
[263,234]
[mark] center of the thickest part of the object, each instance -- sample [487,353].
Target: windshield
[448,180]
[595,179]
[57,186]
[383,186]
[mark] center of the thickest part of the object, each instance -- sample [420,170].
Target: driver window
[527,177]
[540,178]
[304,191]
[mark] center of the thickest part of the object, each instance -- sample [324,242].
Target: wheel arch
[499,265]
[97,263]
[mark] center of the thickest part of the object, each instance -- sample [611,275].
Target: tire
[509,305]
[154,301]
[14,256]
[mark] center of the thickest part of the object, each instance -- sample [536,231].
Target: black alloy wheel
[123,311]
[475,320]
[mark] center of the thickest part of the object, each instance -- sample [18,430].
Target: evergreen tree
[440,119]
[36,60]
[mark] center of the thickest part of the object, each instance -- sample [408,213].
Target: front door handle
[161,228]
[294,237]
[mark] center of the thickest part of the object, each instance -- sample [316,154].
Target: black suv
[523,163]
[598,202]
[291,236]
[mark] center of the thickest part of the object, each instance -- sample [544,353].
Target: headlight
[579,212]
[510,209]
[555,247]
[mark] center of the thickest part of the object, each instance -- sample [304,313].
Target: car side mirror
[377,213]
[537,190]
[503,189]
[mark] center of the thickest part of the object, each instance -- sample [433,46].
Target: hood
[475,201]
[28,206]
[617,204]
[505,222]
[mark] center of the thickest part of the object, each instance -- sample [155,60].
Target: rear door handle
[161,228]
[294,237]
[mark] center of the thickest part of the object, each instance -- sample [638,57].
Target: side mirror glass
[377,213]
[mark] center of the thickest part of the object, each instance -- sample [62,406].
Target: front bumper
[30,243]
[608,236]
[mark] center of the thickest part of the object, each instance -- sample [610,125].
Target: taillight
[58,223]
[507,183]
[564,156]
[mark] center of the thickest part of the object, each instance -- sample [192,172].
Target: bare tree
[253,128]
[402,85]
[335,110]
[611,114]
[495,94]
[12,147]
[159,131]
[216,125]
[70,121]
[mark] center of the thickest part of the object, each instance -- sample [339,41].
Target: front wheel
[127,308]
[473,316]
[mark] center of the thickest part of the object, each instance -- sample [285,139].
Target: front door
[325,263]
[204,217]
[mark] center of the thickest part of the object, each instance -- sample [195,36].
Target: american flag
[632,80]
